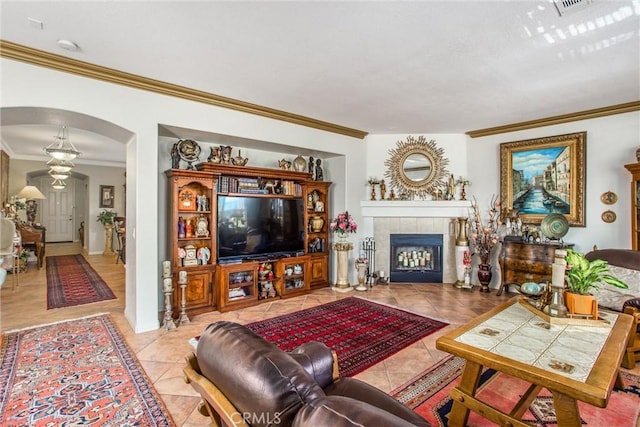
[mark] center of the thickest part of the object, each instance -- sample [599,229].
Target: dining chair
[9,246]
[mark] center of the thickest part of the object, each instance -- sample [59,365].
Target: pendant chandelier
[58,184]
[59,175]
[61,148]
[59,165]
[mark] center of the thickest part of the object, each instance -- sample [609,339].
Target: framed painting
[545,175]
[106,196]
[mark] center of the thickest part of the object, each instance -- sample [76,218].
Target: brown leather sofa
[628,300]
[246,381]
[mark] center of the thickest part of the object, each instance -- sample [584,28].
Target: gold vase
[317,222]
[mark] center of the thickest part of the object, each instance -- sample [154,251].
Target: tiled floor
[162,353]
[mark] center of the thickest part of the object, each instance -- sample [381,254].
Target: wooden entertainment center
[242,281]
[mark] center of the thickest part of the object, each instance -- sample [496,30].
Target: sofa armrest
[318,360]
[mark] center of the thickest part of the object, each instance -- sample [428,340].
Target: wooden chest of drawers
[522,262]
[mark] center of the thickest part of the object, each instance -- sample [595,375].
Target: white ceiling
[380,67]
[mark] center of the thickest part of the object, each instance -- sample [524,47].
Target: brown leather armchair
[246,381]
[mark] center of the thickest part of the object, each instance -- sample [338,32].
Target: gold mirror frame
[400,154]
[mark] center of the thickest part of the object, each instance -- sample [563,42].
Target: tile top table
[574,362]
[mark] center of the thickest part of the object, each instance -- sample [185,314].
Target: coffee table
[573,362]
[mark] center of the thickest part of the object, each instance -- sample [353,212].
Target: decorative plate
[609,198]
[554,226]
[608,216]
[531,289]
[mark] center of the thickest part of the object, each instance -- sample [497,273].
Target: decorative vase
[463,255]
[317,222]
[361,268]
[299,164]
[484,276]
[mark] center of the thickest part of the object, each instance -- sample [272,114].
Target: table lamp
[31,193]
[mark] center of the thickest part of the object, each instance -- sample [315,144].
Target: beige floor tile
[162,353]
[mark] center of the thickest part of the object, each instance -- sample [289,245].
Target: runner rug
[361,332]
[428,395]
[79,372]
[72,281]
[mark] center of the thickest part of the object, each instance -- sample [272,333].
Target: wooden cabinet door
[319,269]
[199,294]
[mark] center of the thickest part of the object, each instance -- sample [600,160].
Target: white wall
[141,112]
[611,143]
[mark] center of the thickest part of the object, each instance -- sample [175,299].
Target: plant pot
[581,304]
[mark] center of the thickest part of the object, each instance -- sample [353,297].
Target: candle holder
[168,322]
[183,319]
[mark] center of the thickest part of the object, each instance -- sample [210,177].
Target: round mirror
[416,167]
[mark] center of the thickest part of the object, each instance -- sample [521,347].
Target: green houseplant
[583,277]
[106,217]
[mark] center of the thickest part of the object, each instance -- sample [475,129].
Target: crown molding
[32,56]
[555,120]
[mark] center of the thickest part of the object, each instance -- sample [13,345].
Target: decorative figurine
[182,230]
[311,165]
[299,164]
[319,174]
[175,157]
[383,189]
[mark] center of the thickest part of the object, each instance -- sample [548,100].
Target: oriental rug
[428,395]
[79,372]
[361,332]
[72,281]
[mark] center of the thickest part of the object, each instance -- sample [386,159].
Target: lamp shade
[30,192]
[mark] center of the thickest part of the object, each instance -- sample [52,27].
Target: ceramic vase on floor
[462,254]
[484,276]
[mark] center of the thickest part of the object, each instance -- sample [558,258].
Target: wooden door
[58,213]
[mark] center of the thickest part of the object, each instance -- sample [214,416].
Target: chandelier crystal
[61,148]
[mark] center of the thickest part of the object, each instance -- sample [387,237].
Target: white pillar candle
[167,284]
[557,276]
[166,268]
[182,277]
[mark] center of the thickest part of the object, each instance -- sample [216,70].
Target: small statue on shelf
[311,165]
[383,189]
[175,157]
[182,230]
[319,174]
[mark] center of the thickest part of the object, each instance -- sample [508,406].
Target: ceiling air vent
[565,6]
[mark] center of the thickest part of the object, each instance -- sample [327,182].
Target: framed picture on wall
[545,175]
[106,196]
[4,178]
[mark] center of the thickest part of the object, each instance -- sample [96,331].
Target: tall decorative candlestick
[182,280]
[167,287]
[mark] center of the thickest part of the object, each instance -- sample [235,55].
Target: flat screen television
[254,227]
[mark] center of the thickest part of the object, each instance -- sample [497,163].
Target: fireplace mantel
[415,208]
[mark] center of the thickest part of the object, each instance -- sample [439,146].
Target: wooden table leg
[566,408]
[468,385]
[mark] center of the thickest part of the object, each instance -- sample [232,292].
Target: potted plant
[106,217]
[583,277]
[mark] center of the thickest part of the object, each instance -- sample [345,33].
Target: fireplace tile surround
[387,217]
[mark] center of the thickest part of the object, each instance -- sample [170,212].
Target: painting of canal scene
[543,176]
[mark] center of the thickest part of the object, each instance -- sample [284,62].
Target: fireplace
[416,258]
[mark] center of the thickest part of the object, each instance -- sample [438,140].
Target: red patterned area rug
[361,332]
[79,372]
[428,395]
[72,281]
